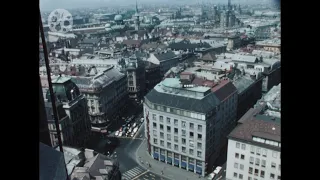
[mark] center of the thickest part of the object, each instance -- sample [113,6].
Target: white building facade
[182,135]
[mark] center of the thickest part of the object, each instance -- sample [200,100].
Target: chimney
[88,153]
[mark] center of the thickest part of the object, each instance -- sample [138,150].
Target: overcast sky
[48,5]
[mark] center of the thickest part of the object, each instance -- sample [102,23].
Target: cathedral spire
[137,7]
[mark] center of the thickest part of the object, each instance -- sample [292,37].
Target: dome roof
[118,17]
[107,25]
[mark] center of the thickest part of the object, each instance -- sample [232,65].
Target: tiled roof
[224,89]
[254,126]
[210,56]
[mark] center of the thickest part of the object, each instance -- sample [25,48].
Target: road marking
[141,175]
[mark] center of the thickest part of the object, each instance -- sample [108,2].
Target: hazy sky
[67,4]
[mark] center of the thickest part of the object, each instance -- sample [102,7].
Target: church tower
[137,21]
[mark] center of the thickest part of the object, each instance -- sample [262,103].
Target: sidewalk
[169,171]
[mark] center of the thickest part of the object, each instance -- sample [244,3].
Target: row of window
[175,111]
[265,141]
[176,131]
[257,150]
[183,148]
[176,122]
[262,175]
[177,156]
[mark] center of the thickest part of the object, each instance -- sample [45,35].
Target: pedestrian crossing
[128,175]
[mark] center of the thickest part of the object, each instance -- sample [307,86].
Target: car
[117,133]
[141,120]
[134,125]
[132,134]
[120,134]
[211,176]
[217,170]
[130,130]
[135,129]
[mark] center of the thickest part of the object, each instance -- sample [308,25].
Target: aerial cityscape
[160,90]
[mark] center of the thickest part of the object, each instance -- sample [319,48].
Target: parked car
[134,125]
[117,133]
[120,134]
[141,120]
[217,170]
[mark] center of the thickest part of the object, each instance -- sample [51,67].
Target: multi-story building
[254,147]
[75,106]
[165,59]
[152,75]
[67,136]
[183,123]
[136,77]
[106,95]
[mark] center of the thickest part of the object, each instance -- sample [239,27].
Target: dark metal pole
[52,95]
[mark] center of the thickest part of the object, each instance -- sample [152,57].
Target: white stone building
[254,148]
[182,125]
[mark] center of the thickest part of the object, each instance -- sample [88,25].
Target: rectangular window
[169,137]
[191,126]
[200,137]
[183,141]
[183,149]
[243,146]
[274,154]
[155,133]
[191,143]
[161,143]
[176,139]
[154,117]
[258,151]
[240,176]
[264,152]
[237,145]
[191,151]
[183,124]
[168,128]
[183,133]
[161,118]
[176,122]
[176,147]
[161,127]
[256,172]
[199,128]
[199,154]
[242,156]
[271,176]
[168,120]
[273,165]
[249,178]
[168,145]
[252,149]
[191,134]
[155,141]
[279,177]
[235,175]
[250,170]
[175,130]
[154,125]
[199,145]
[257,161]
[241,166]
[262,174]
[237,155]
[236,165]
[263,163]
[279,167]
[161,135]
[251,160]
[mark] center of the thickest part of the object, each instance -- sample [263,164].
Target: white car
[142,119]
[117,133]
[217,170]
[120,134]
[134,125]
[130,130]
[135,129]
[132,134]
